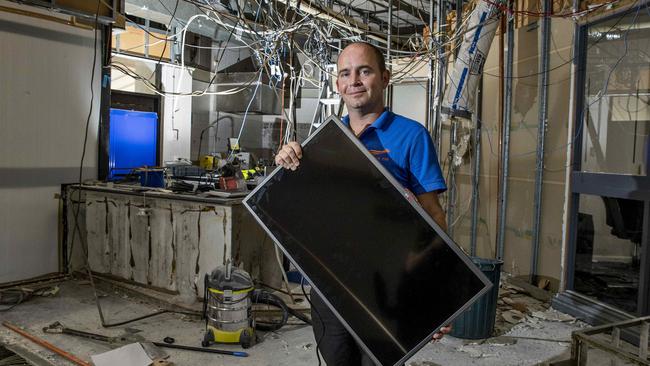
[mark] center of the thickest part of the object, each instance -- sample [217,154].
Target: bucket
[477,322]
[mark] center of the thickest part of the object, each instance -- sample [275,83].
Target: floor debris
[474,352]
[539,335]
[129,355]
[553,315]
[512,316]
[500,341]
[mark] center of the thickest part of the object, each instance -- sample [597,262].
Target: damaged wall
[169,244]
[523,145]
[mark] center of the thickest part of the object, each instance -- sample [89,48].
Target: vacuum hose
[265,297]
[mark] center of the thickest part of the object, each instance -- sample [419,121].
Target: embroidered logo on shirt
[380,154]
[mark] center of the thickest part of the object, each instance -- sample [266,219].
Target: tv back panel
[379,261]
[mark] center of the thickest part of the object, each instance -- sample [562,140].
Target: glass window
[608,249]
[617,96]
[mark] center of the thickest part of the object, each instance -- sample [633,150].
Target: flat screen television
[378,260]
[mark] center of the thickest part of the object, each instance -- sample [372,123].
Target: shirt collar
[382,122]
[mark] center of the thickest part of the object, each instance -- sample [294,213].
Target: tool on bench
[58,328]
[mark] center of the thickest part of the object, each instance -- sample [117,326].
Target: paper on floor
[129,355]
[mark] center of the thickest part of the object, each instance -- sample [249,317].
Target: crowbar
[46,344]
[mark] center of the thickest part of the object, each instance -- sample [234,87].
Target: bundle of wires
[12,297]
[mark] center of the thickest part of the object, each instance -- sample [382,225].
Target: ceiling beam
[403,5]
[328,15]
[414,11]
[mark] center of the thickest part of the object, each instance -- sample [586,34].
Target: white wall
[176,126]
[410,100]
[177,113]
[45,81]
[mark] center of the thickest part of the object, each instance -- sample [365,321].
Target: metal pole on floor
[541,135]
[476,167]
[507,116]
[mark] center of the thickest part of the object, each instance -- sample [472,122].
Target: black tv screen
[379,261]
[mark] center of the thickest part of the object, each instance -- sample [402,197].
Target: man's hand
[289,156]
[444,330]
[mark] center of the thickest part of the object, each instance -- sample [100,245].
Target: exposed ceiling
[408,16]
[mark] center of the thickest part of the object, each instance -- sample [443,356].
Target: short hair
[379,55]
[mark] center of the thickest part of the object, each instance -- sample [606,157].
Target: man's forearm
[429,201]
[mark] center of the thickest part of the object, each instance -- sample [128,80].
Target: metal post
[451,193]
[505,151]
[643,304]
[389,40]
[577,120]
[431,112]
[476,167]
[459,18]
[541,134]
[453,140]
[146,38]
[174,45]
[440,71]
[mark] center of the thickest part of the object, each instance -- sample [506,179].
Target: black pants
[336,344]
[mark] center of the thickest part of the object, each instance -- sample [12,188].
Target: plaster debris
[553,315]
[423,363]
[474,352]
[516,289]
[512,316]
[500,341]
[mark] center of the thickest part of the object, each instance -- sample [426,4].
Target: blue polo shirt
[404,147]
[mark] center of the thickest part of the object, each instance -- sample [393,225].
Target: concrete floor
[294,345]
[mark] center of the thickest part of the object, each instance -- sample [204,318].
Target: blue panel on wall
[133,141]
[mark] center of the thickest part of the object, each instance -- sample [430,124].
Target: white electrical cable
[243,123]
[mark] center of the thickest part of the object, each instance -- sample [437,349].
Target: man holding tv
[405,149]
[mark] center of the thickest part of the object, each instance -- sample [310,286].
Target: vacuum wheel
[246,339]
[207,338]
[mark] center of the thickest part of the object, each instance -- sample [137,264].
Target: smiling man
[402,145]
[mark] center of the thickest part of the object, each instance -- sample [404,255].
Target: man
[403,146]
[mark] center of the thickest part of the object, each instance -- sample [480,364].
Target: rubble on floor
[527,332]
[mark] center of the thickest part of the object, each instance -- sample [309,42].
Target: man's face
[360,81]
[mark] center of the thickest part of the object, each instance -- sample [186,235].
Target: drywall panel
[408,68]
[204,118]
[410,100]
[523,144]
[140,66]
[46,82]
[177,110]
[177,113]
[524,132]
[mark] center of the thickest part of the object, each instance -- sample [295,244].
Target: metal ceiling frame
[400,5]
